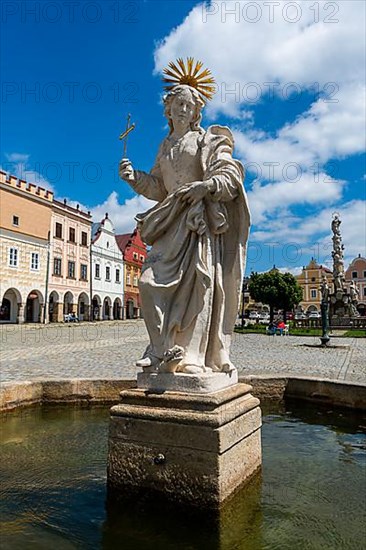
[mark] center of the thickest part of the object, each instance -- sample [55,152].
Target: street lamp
[243,290]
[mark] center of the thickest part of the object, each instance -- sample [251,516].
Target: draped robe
[192,276]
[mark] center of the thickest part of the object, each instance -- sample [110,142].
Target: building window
[71,234]
[71,270]
[107,273]
[364,274]
[142,258]
[84,238]
[83,272]
[354,274]
[117,275]
[135,280]
[57,266]
[107,244]
[58,232]
[313,293]
[364,290]
[15,220]
[35,261]
[97,271]
[13,257]
[128,279]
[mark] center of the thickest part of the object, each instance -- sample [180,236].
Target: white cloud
[17,157]
[18,165]
[290,269]
[121,215]
[304,52]
[328,55]
[309,189]
[324,55]
[313,234]
[326,131]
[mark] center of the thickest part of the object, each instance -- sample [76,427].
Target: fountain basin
[310,492]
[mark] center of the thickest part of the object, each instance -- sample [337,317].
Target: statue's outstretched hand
[193,192]
[126,172]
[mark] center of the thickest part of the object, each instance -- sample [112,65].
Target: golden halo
[180,73]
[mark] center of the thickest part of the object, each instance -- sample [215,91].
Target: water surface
[311,493]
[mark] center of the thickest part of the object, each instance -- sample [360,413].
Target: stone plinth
[191,383]
[194,449]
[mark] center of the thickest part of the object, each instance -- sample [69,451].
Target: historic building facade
[69,287]
[25,216]
[107,272]
[134,255]
[310,280]
[357,272]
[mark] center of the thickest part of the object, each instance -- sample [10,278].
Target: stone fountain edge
[78,391]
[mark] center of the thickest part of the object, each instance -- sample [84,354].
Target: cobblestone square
[108,350]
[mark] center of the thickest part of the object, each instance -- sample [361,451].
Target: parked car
[263,318]
[254,315]
[71,318]
[300,316]
[314,315]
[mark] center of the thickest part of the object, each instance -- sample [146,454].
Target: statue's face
[183,109]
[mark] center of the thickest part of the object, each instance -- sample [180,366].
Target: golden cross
[124,135]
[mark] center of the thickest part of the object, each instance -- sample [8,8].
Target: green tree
[278,290]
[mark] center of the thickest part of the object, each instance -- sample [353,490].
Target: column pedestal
[191,448]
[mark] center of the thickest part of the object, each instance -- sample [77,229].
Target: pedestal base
[191,383]
[193,449]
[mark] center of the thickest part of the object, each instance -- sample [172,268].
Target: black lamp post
[243,290]
[324,308]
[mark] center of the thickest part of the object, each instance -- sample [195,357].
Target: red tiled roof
[122,240]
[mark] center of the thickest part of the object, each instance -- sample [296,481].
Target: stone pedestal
[195,449]
[186,383]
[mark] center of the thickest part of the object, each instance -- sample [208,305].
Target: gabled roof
[123,240]
[95,231]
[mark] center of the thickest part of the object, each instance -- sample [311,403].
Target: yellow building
[25,216]
[69,281]
[357,272]
[310,280]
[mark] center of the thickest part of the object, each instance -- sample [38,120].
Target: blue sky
[291,85]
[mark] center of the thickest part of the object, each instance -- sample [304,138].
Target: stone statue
[197,231]
[354,292]
[337,255]
[336,222]
[354,296]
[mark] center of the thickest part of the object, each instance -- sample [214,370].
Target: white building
[107,272]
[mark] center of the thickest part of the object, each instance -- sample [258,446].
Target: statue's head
[193,105]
